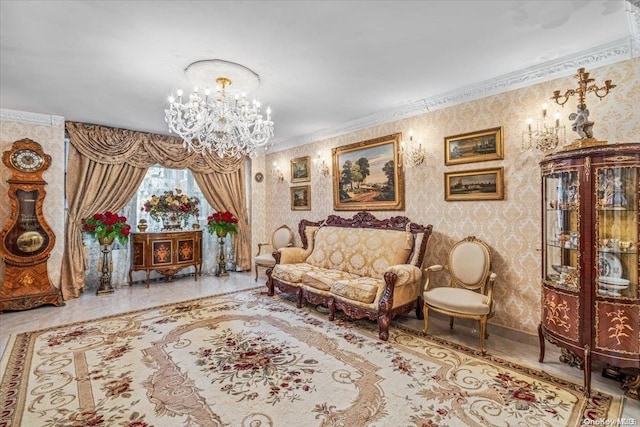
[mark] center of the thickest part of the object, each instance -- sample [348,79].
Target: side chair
[468,289]
[281,237]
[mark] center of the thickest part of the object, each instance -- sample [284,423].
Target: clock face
[26,160]
[30,241]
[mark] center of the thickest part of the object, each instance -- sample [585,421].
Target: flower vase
[222,270]
[104,266]
[171,221]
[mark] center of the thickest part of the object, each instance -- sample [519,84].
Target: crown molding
[633,15]
[606,54]
[33,118]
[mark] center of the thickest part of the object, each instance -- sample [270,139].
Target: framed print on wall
[368,175]
[301,169]
[472,147]
[301,198]
[480,184]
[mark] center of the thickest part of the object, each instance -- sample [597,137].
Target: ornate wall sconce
[414,154]
[321,166]
[547,133]
[277,172]
[581,123]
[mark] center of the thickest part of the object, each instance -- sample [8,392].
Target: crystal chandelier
[546,135]
[219,122]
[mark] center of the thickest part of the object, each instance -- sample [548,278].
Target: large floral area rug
[245,359]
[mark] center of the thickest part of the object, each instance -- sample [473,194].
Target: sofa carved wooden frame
[385,312]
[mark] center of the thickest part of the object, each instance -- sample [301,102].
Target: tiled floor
[504,343]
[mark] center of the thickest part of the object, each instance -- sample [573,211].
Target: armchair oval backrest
[282,237]
[470,263]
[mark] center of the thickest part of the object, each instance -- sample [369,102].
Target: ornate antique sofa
[364,266]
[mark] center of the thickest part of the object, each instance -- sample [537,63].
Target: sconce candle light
[547,133]
[321,166]
[277,172]
[413,155]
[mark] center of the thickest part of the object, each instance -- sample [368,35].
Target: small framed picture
[301,198]
[481,184]
[301,169]
[472,147]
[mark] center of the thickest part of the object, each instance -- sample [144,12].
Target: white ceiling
[325,66]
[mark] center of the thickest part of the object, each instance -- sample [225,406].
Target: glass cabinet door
[562,240]
[617,232]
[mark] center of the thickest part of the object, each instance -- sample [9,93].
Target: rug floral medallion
[246,359]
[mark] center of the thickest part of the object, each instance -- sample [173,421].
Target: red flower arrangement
[222,223]
[107,225]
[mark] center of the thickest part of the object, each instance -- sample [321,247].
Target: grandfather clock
[27,240]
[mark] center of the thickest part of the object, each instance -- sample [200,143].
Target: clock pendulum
[26,240]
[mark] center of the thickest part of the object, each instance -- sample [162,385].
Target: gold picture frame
[479,184]
[381,187]
[301,169]
[301,198]
[473,147]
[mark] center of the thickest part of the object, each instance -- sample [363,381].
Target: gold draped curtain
[105,169]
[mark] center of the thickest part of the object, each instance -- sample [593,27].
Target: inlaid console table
[166,252]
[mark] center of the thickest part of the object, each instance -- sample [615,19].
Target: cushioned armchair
[469,292]
[282,237]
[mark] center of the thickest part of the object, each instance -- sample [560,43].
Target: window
[157,180]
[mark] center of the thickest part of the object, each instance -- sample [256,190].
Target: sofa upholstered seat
[363,266]
[325,279]
[361,290]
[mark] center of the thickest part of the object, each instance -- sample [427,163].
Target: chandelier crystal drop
[227,125]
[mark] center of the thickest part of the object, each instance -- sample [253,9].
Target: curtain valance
[116,146]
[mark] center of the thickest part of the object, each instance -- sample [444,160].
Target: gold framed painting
[301,198]
[472,147]
[301,169]
[368,175]
[480,184]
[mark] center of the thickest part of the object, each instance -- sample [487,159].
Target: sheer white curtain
[157,180]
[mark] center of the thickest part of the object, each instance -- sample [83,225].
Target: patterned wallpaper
[511,227]
[51,137]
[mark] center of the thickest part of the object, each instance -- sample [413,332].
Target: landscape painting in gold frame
[301,169]
[480,184]
[301,198]
[472,147]
[368,175]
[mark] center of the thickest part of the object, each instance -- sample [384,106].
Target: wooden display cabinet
[590,263]
[166,252]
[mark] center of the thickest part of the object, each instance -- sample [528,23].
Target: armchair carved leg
[425,313]
[299,298]
[483,331]
[419,304]
[331,303]
[270,285]
[256,273]
[384,319]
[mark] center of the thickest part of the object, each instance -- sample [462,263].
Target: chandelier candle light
[220,123]
[581,123]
